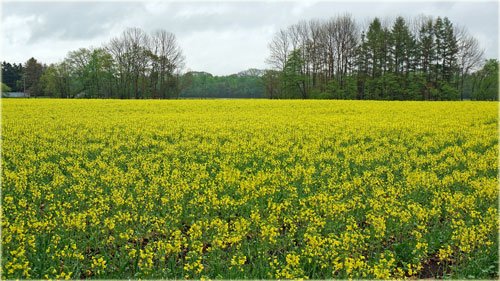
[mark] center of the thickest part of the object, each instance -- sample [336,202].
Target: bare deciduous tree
[469,55]
[146,64]
[280,49]
[167,59]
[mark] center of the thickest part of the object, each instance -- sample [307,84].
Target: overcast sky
[215,36]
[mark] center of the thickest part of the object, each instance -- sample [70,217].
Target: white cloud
[194,10]
[230,50]
[300,7]
[16,29]
[156,7]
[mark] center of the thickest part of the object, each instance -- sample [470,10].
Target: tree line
[423,58]
[132,65]
[245,84]
[38,80]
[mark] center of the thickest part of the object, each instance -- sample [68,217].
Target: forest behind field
[421,58]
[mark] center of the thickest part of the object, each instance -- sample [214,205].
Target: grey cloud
[239,15]
[71,20]
[228,23]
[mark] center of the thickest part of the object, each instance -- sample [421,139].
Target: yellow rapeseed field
[249,189]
